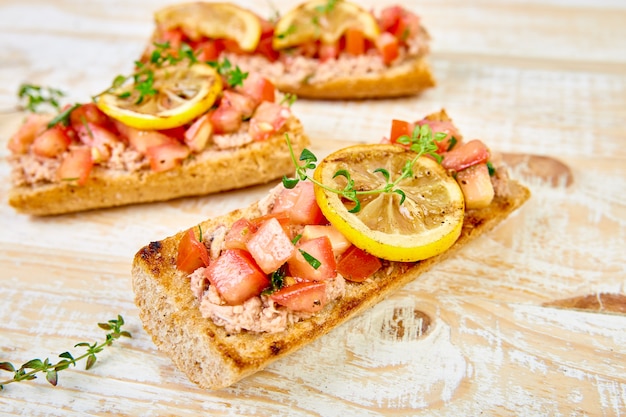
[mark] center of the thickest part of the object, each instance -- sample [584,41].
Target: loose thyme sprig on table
[37,96]
[52,369]
[422,141]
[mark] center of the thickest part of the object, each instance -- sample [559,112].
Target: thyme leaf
[29,370]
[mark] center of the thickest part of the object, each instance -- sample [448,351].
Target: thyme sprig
[422,142]
[36,96]
[234,76]
[28,370]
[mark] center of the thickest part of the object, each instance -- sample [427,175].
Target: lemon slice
[180,94]
[213,20]
[324,20]
[427,222]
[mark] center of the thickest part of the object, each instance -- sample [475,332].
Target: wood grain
[527,321]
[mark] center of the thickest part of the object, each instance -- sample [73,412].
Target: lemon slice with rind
[325,20]
[178,94]
[425,224]
[213,20]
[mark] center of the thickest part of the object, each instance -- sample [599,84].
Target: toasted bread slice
[214,358]
[210,171]
[343,78]
[407,78]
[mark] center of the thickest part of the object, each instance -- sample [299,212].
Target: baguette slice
[410,77]
[213,358]
[353,78]
[210,171]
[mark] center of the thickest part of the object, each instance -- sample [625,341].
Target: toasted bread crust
[208,172]
[214,359]
[409,78]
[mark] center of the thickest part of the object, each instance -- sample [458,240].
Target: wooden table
[529,320]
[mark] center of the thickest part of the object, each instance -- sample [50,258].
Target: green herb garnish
[421,142]
[311,260]
[28,370]
[37,96]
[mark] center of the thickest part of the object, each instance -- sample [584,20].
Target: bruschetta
[230,295]
[321,49]
[176,127]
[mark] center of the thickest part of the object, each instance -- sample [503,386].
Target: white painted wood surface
[542,77]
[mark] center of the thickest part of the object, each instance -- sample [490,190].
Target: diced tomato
[33,126]
[208,50]
[197,136]
[447,143]
[321,250]
[337,240]
[299,204]
[99,139]
[328,51]
[400,128]
[265,43]
[167,156]
[236,276]
[400,22]
[283,219]
[357,265]
[192,254]
[141,140]
[355,42]
[476,185]
[258,87]
[464,156]
[308,297]
[270,246]
[242,103]
[88,113]
[225,119]
[239,233]
[76,166]
[231,45]
[177,133]
[268,119]
[52,142]
[388,46]
[266,49]
[174,36]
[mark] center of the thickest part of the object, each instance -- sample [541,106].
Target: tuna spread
[294,70]
[259,313]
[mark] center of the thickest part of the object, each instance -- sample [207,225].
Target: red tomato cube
[357,265]
[197,136]
[267,120]
[192,254]
[460,157]
[225,119]
[34,125]
[355,42]
[304,296]
[337,240]
[400,128]
[239,234]
[313,260]
[388,47]
[167,156]
[76,166]
[299,204]
[270,246]
[52,142]
[236,276]
[258,88]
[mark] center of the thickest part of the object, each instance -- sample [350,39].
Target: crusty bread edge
[205,173]
[411,77]
[212,358]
